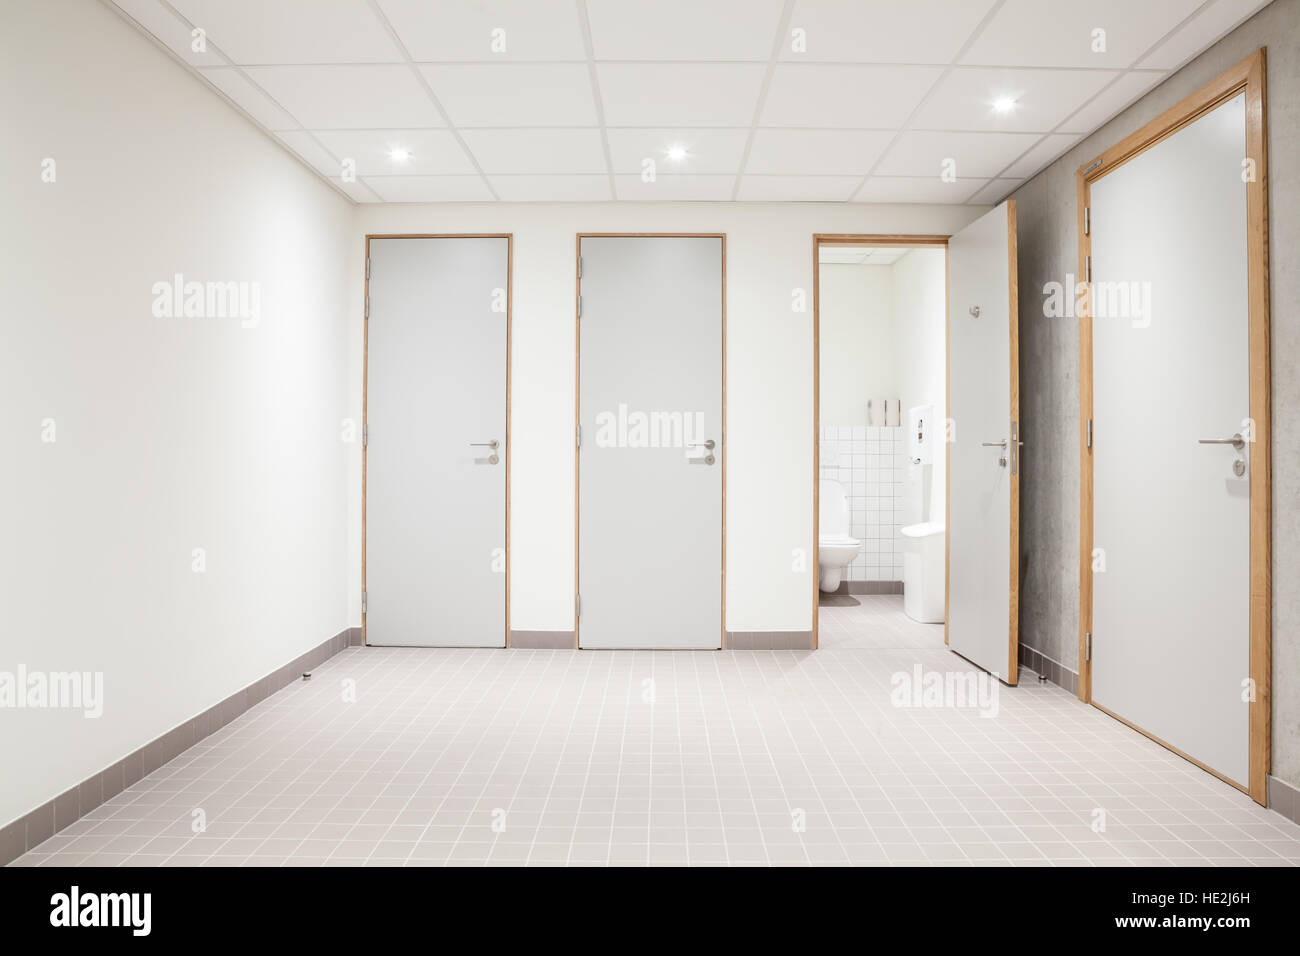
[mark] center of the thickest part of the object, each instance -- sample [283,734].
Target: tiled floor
[877,622]
[472,757]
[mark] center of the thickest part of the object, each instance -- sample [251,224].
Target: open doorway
[881,500]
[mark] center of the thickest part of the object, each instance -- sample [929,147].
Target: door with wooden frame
[436,441]
[1175,446]
[651,447]
[846,239]
[984,444]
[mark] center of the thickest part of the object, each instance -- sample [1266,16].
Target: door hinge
[363,602]
[1087,220]
[579,267]
[367,307]
[1087,646]
[579,306]
[367,267]
[1090,433]
[577,605]
[365,435]
[578,435]
[1087,268]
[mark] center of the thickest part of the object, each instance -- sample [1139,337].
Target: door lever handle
[484,444]
[1236,441]
[995,444]
[701,444]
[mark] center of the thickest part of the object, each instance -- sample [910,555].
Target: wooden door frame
[878,240]
[577,406]
[1248,77]
[365,391]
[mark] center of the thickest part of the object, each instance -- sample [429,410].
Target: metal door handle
[995,444]
[1236,441]
[701,444]
[484,444]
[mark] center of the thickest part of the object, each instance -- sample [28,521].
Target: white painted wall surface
[857,342]
[769,383]
[171,433]
[918,294]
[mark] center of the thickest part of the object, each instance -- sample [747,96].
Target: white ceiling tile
[690,74]
[1034,33]
[1215,21]
[552,188]
[683,29]
[884,31]
[1111,101]
[293,31]
[797,188]
[708,151]
[886,257]
[311,151]
[514,94]
[1039,156]
[252,100]
[837,255]
[530,29]
[995,190]
[816,152]
[964,99]
[977,155]
[358,191]
[675,188]
[680,94]
[169,29]
[430,188]
[433,152]
[836,96]
[349,97]
[537,150]
[916,189]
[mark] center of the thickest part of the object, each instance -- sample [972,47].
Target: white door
[435,521]
[1171,513]
[984,457]
[650,454]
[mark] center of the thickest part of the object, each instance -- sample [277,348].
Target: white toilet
[923,556]
[835,549]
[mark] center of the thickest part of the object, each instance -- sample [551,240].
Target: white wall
[919,296]
[857,346]
[769,383]
[171,433]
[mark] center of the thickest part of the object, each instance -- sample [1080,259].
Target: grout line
[591,757]
[778,44]
[584,23]
[228,63]
[435,736]
[1128,71]
[907,123]
[433,97]
[591,62]
[521,671]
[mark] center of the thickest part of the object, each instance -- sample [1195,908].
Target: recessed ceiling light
[1004,104]
[399,154]
[676,153]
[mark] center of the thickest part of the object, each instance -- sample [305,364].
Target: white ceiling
[842,255]
[882,93]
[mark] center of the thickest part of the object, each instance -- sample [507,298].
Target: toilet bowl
[923,560]
[835,549]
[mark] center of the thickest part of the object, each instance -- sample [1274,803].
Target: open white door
[651,445]
[435,488]
[984,455]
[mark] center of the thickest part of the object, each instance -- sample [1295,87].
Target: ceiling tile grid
[876,101]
